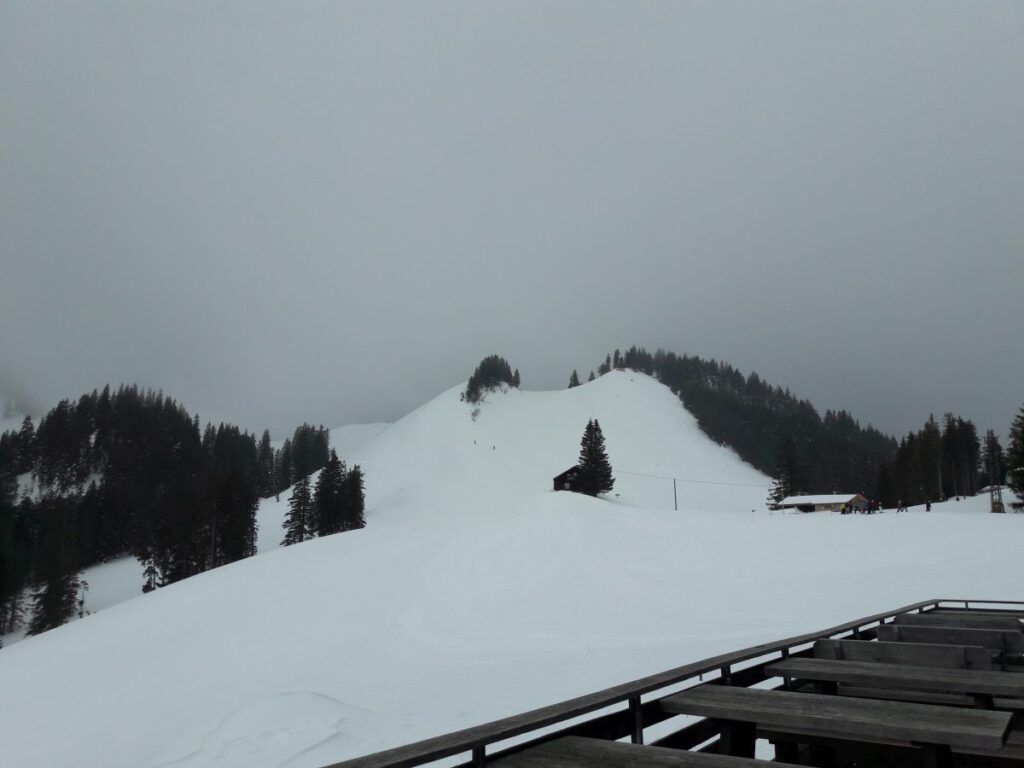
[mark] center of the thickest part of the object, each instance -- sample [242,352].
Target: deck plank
[848,718]
[577,752]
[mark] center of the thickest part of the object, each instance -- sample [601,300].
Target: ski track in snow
[475,592]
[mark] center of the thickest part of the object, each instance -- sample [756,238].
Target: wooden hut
[567,480]
[853,502]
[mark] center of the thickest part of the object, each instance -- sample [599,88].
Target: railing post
[726,675]
[479,756]
[636,719]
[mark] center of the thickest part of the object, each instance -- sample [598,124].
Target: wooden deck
[937,701]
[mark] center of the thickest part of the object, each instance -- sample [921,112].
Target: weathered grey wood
[846,718]
[636,729]
[689,736]
[967,620]
[1018,613]
[873,674]
[575,752]
[903,694]
[976,605]
[445,745]
[923,654]
[1004,642]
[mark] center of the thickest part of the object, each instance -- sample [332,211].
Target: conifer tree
[55,601]
[574,379]
[591,377]
[265,466]
[490,374]
[297,523]
[12,567]
[788,480]
[354,493]
[283,464]
[595,471]
[329,498]
[59,582]
[1015,456]
[26,446]
[993,460]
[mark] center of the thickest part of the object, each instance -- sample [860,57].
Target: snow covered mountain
[474,592]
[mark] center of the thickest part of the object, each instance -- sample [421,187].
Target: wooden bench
[1003,644]
[578,752]
[1015,613]
[923,654]
[917,654]
[937,730]
[968,621]
[981,686]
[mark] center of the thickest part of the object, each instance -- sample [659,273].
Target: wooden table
[917,654]
[578,752]
[981,685]
[1003,643]
[935,729]
[967,621]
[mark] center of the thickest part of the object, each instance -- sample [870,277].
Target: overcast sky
[330,212]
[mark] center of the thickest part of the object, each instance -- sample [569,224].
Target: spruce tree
[297,523]
[284,466]
[265,466]
[591,377]
[12,567]
[595,471]
[354,494]
[993,460]
[328,498]
[1015,457]
[26,446]
[574,379]
[788,479]
[59,582]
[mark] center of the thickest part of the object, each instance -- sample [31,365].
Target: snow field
[476,592]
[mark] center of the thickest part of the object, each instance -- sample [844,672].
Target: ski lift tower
[995,487]
[996,496]
[1017,506]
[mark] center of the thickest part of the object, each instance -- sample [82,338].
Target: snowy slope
[119,580]
[345,441]
[472,578]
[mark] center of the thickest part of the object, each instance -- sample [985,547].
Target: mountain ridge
[471,577]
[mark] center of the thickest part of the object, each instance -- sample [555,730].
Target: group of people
[902,507]
[869,507]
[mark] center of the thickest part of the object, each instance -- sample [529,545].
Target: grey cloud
[332,211]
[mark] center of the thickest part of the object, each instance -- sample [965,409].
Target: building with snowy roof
[826,503]
[567,480]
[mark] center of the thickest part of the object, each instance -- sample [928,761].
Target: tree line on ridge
[131,472]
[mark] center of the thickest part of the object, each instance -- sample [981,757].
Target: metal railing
[632,715]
